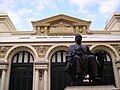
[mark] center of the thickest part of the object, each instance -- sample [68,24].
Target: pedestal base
[105,87]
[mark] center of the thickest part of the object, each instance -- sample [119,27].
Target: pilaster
[117,62]
[41,74]
[3,68]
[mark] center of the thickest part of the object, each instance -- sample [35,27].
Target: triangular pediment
[60,25]
[70,19]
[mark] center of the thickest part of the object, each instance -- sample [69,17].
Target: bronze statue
[81,61]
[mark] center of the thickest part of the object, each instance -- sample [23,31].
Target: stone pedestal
[104,87]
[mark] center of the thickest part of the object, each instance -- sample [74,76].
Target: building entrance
[21,71]
[59,78]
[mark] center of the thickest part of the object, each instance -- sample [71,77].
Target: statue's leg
[93,68]
[68,67]
[85,65]
[77,68]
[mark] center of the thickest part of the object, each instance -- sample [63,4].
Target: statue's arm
[69,55]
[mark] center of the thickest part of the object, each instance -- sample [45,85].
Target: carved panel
[117,47]
[3,50]
[41,50]
[41,30]
[61,28]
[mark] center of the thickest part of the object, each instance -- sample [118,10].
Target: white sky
[22,12]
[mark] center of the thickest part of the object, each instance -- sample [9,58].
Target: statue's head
[78,38]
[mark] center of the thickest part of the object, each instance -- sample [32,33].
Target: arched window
[21,76]
[22,57]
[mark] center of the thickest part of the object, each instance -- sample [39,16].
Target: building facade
[34,60]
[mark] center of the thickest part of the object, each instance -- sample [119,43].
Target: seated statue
[81,61]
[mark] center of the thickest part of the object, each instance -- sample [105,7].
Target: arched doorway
[59,78]
[108,75]
[21,75]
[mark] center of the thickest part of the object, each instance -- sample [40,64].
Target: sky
[22,12]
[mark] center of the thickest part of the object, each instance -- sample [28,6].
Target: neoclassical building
[35,60]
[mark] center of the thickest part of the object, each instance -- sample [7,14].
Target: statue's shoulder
[84,46]
[72,46]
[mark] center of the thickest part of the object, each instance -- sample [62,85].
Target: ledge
[3,63]
[101,87]
[41,63]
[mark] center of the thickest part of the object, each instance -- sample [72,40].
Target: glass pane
[59,57]
[20,57]
[64,55]
[53,58]
[108,58]
[26,57]
[31,58]
[15,59]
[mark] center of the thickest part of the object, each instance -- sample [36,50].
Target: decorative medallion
[117,47]
[41,50]
[3,50]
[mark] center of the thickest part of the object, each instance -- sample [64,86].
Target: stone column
[45,80]
[3,79]
[36,79]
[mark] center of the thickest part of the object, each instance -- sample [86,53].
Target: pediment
[48,21]
[60,25]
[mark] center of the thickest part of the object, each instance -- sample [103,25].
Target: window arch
[59,56]
[22,57]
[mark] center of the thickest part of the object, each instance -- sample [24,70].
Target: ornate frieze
[41,50]
[3,50]
[61,28]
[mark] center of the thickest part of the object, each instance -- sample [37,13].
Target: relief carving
[117,49]
[41,50]
[61,27]
[3,50]
[40,30]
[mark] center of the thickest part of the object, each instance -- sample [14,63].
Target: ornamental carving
[41,50]
[117,47]
[40,31]
[61,27]
[3,50]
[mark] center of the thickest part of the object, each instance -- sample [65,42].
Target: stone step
[105,87]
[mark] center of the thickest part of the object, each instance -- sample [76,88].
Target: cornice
[113,20]
[6,20]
